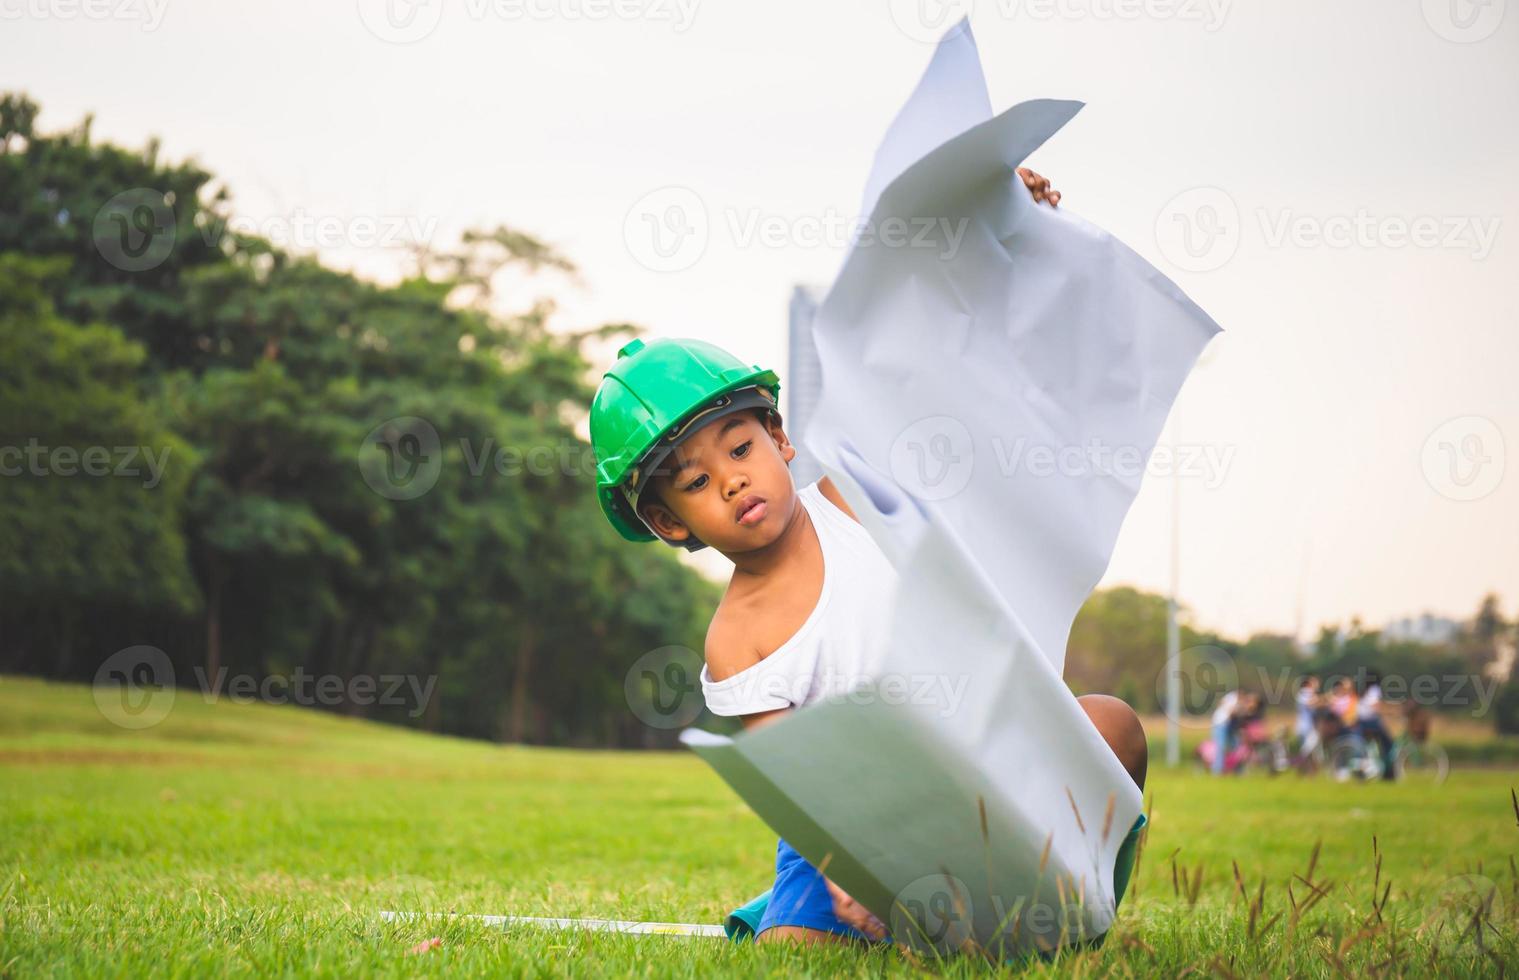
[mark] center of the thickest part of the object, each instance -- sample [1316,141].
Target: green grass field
[250,839]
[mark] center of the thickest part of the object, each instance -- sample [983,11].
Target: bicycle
[1272,754]
[1352,756]
[1422,761]
[1255,749]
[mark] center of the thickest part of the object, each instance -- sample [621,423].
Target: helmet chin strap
[691,543]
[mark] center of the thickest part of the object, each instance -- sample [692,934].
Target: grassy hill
[252,839]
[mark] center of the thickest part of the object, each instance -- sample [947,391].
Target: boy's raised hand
[853,913]
[1039,187]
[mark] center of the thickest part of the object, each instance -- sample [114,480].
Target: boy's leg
[801,907]
[800,934]
[1120,728]
[1114,720]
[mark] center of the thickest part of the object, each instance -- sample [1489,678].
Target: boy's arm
[763,717]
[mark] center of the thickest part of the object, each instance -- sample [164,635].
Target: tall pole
[1173,635]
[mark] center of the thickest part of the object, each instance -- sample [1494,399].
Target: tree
[1481,640]
[1118,644]
[91,483]
[288,396]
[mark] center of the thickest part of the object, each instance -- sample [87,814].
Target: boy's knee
[1120,728]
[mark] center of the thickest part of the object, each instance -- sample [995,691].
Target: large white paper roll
[976,374]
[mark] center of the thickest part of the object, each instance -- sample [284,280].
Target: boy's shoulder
[728,646]
[826,488]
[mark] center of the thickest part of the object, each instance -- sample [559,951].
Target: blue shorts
[800,897]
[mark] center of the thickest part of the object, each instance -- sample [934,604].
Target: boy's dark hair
[1304,681]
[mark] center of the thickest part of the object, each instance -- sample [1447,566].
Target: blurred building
[1428,629]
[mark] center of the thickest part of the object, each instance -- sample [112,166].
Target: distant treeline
[269,469]
[1118,646]
[301,486]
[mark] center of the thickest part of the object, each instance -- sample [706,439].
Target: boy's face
[728,485]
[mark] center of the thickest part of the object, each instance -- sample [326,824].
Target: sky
[1333,183]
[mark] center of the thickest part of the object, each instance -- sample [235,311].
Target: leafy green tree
[91,482]
[1118,645]
[290,397]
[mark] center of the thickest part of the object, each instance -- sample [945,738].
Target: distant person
[1238,727]
[1308,701]
[1250,719]
[1368,723]
[1223,729]
[1327,723]
[1342,699]
[1252,709]
[1416,722]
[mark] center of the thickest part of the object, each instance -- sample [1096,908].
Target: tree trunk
[218,579]
[527,644]
[66,645]
[358,662]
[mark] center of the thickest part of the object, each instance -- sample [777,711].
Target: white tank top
[842,642]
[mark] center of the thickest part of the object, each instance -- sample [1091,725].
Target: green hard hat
[644,408]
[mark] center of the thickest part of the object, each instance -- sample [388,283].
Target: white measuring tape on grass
[583,925]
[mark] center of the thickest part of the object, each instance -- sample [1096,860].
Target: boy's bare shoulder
[728,646]
[826,487]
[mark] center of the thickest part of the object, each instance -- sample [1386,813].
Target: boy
[690,450]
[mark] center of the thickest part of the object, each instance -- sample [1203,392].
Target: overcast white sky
[1347,173]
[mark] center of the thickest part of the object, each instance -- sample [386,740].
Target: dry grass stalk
[1079,824]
